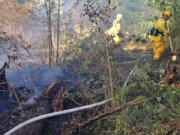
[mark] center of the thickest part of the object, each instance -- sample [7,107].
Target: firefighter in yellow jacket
[158,43]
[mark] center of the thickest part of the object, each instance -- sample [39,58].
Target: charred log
[56,93]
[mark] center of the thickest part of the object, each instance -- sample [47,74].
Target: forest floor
[148,75]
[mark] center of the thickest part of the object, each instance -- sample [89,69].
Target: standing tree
[58,33]
[48,12]
[99,13]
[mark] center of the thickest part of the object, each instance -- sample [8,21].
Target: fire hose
[21,125]
[45,116]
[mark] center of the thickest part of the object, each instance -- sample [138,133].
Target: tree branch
[114,110]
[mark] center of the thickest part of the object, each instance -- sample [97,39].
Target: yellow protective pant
[158,49]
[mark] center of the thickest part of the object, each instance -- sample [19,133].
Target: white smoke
[34,76]
[3,59]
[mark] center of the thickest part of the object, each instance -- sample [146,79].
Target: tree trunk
[58,33]
[48,11]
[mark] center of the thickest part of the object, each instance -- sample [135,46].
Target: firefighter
[158,43]
[115,29]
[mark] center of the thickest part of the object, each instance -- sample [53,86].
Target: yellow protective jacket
[161,26]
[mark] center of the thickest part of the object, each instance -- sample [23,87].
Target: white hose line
[125,84]
[10,132]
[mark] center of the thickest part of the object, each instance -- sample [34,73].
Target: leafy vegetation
[101,67]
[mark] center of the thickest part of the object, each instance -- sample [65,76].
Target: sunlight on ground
[134,47]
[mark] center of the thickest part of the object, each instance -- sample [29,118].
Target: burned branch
[111,112]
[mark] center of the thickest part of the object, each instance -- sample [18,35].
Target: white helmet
[119,16]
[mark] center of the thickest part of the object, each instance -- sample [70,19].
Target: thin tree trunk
[109,63]
[110,74]
[58,33]
[48,10]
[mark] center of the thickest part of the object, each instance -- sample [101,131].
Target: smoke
[3,59]
[34,76]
